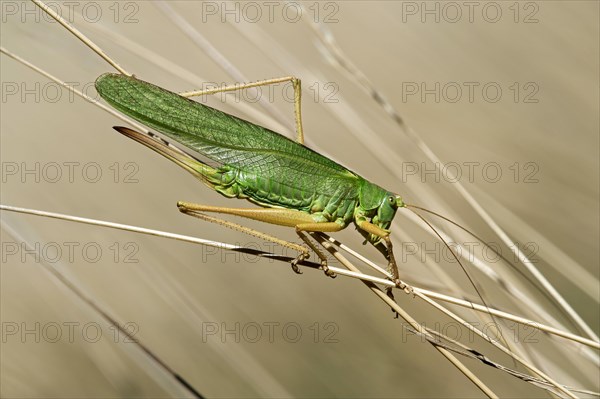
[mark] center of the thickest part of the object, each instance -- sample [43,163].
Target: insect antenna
[532,281]
[467,274]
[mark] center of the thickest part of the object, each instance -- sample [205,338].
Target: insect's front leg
[368,231]
[386,248]
[389,255]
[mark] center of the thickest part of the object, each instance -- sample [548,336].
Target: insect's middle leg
[282,217]
[296,84]
[324,227]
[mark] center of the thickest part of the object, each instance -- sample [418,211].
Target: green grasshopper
[296,186]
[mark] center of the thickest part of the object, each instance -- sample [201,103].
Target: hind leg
[302,222]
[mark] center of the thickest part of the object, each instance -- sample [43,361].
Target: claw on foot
[298,259]
[403,286]
[326,270]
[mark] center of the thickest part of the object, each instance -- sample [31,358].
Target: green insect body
[253,162]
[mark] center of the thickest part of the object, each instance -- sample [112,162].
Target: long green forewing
[221,137]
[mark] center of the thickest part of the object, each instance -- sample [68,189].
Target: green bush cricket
[210,172]
[296,186]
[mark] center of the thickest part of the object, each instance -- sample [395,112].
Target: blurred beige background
[171,292]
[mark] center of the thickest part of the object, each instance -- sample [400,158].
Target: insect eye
[392,199]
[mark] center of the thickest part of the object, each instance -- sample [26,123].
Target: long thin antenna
[343,61]
[314,265]
[504,258]
[466,273]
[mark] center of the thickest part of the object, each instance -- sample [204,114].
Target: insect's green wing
[267,162]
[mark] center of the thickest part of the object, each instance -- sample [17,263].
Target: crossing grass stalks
[175,292]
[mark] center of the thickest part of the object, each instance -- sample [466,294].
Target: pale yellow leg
[296,84]
[388,252]
[327,227]
[302,222]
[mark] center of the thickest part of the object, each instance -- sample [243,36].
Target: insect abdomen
[334,199]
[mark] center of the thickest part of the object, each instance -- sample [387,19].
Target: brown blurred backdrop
[540,133]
